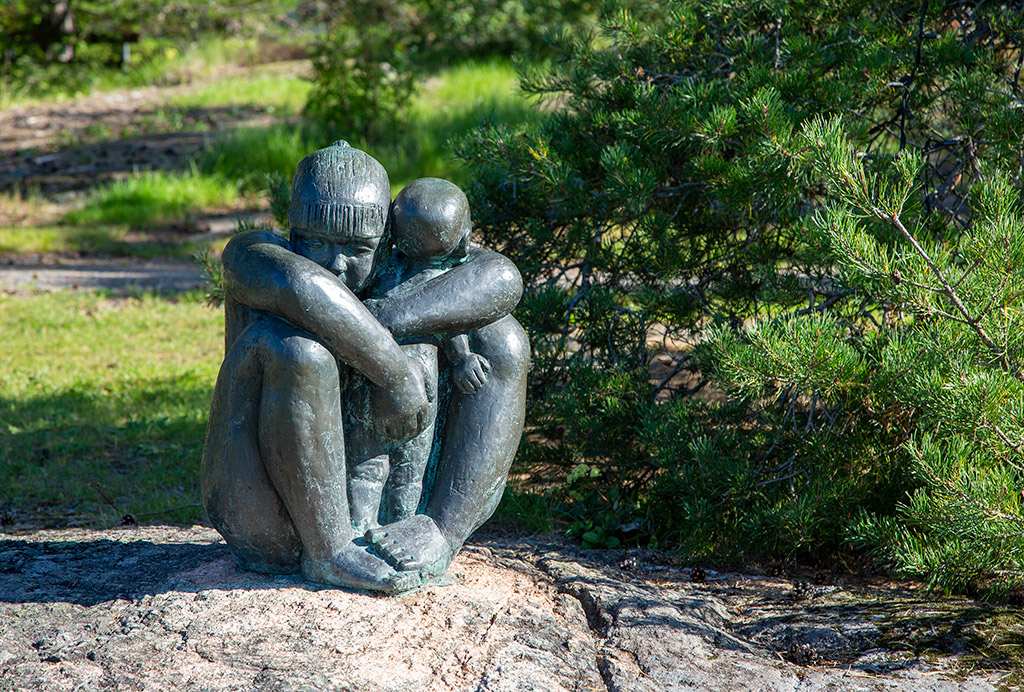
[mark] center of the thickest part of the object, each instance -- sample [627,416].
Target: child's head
[338,211]
[430,220]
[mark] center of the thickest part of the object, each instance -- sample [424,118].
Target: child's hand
[470,373]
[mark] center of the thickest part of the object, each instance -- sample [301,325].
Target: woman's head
[338,212]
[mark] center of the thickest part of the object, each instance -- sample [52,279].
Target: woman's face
[351,260]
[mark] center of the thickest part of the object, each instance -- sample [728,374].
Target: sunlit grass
[250,154]
[229,173]
[279,93]
[106,391]
[154,63]
[104,239]
[449,104]
[60,239]
[155,197]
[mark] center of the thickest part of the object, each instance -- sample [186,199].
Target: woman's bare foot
[356,567]
[413,544]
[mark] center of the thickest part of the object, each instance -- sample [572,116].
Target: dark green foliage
[936,385]
[670,194]
[45,43]
[453,30]
[362,70]
[943,370]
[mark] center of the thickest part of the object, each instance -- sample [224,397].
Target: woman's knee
[290,350]
[505,345]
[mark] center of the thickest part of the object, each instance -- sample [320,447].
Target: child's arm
[469,370]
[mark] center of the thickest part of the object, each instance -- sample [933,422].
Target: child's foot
[413,544]
[356,567]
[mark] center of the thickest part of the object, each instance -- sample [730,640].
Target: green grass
[106,391]
[455,101]
[450,104]
[108,396]
[154,198]
[282,94]
[101,239]
[155,62]
[250,154]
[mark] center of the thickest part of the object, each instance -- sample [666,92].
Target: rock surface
[164,608]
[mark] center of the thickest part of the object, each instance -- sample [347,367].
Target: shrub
[362,72]
[368,63]
[940,378]
[667,203]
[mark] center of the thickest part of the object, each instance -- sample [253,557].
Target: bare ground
[160,607]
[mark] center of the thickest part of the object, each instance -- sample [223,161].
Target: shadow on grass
[95,147]
[92,453]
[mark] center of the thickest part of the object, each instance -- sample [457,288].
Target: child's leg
[367,457]
[409,461]
[405,481]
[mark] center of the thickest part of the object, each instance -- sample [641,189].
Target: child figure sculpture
[430,228]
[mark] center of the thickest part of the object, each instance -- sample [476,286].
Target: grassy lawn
[448,105]
[103,399]
[155,198]
[155,63]
[271,90]
[104,396]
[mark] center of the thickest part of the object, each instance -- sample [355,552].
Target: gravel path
[91,274]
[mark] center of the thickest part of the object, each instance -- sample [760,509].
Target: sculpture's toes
[402,581]
[376,536]
[413,544]
[388,546]
[357,568]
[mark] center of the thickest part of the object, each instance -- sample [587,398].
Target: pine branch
[1017,447]
[950,292]
[990,512]
[905,105]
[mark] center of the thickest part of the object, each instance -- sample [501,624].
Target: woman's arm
[466,297]
[263,274]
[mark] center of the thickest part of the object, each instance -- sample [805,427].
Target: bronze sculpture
[332,397]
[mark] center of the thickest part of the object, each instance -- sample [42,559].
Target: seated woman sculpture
[299,341]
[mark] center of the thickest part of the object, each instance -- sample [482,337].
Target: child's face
[350,259]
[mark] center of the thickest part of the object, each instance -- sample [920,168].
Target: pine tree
[936,350]
[665,203]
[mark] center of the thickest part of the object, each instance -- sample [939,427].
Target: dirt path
[161,275]
[69,145]
[56,151]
